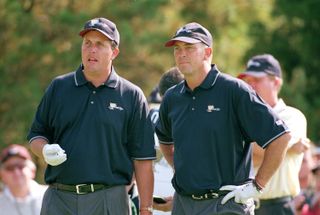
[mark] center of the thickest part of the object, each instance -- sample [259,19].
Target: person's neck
[196,79]
[273,101]
[20,191]
[97,78]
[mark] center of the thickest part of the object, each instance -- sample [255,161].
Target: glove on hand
[241,193]
[53,154]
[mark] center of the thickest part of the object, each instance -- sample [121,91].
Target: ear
[208,52]
[115,53]
[278,83]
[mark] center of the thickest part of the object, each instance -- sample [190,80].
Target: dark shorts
[111,201]
[184,205]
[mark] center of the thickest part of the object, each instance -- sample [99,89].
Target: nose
[93,48]
[180,54]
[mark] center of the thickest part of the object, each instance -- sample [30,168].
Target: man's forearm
[145,180]
[257,155]
[273,156]
[167,151]
[37,145]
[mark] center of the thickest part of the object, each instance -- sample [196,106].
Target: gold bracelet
[149,209]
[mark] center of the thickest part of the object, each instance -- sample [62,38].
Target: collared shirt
[30,205]
[102,129]
[285,181]
[212,128]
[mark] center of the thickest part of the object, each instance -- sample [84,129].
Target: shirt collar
[208,82]
[80,79]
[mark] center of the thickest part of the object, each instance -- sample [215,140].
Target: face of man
[266,86]
[189,57]
[16,172]
[97,52]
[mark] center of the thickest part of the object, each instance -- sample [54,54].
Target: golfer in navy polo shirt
[206,125]
[91,128]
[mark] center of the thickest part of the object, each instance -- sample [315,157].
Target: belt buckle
[214,195]
[196,197]
[78,186]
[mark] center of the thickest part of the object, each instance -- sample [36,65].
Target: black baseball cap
[104,26]
[262,65]
[191,33]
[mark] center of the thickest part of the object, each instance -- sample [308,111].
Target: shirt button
[193,97]
[94,92]
[192,108]
[92,102]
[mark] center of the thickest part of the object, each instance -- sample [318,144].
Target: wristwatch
[258,187]
[149,209]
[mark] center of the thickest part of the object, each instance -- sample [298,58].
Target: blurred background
[39,40]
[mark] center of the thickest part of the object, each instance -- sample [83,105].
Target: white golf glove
[53,154]
[242,193]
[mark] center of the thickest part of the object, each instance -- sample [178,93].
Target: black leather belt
[210,195]
[80,188]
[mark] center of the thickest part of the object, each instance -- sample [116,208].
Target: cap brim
[181,39]
[83,32]
[252,74]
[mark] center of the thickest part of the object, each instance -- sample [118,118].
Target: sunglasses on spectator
[11,168]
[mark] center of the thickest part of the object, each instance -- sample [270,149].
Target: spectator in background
[311,203]
[316,153]
[154,97]
[162,171]
[264,74]
[21,195]
[305,173]
[168,79]
[306,181]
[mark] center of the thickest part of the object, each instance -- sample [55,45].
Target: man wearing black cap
[21,195]
[91,128]
[162,170]
[207,124]
[264,74]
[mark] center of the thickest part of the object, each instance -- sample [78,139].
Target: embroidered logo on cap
[93,22]
[253,63]
[183,30]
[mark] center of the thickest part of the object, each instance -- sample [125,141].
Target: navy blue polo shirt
[212,128]
[101,129]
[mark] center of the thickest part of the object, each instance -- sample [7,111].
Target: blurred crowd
[308,201]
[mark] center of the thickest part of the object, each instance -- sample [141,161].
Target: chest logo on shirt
[114,106]
[212,108]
